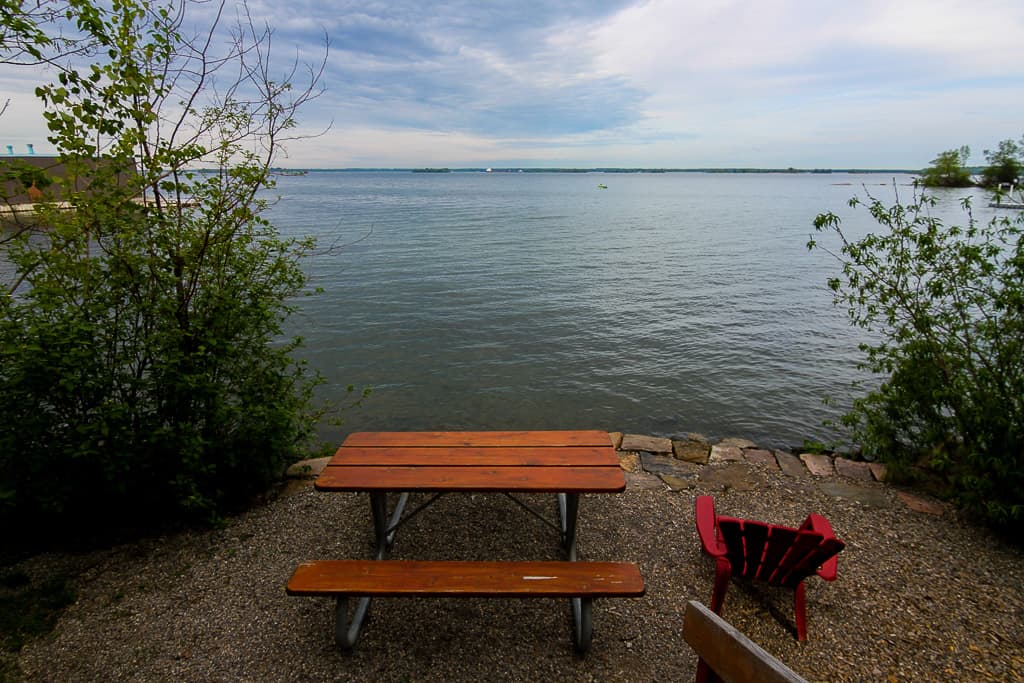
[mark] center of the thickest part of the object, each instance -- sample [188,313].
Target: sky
[661,83]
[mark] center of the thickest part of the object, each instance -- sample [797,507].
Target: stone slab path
[677,464]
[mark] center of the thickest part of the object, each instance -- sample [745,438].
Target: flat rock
[651,444]
[307,469]
[878,470]
[817,464]
[660,464]
[677,483]
[738,476]
[630,462]
[853,469]
[694,436]
[643,481]
[867,495]
[790,464]
[918,504]
[738,443]
[762,458]
[691,451]
[720,453]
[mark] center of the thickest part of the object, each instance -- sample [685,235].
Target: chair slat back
[800,551]
[779,555]
[782,540]
[755,538]
[802,566]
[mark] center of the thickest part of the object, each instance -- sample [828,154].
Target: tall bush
[947,305]
[142,371]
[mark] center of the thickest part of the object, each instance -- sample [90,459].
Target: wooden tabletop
[530,461]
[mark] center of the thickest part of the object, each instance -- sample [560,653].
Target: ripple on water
[668,303]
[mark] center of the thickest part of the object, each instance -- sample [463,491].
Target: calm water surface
[664,304]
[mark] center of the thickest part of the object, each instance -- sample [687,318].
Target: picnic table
[390,466]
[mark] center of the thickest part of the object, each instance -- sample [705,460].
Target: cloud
[470,68]
[733,71]
[656,82]
[666,41]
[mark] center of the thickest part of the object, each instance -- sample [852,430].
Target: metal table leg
[346,631]
[568,512]
[582,608]
[383,523]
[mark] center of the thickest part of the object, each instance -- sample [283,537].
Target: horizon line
[606,169]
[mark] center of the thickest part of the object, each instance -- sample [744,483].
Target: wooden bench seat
[582,581]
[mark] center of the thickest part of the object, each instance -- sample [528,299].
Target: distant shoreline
[525,169]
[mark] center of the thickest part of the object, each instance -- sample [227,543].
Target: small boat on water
[602,186]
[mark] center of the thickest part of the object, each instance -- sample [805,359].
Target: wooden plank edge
[525,438]
[606,579]
[567,479]
[476,456]
[728,652]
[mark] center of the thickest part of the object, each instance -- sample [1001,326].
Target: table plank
[546,456]
[481,439]
[466,579]
[566,479]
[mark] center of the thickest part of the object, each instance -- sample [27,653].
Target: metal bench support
[582,623]
[346,632]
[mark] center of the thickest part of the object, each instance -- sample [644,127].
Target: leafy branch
[948,305]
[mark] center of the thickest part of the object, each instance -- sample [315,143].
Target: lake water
[664,304]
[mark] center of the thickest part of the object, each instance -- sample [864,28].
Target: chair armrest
[816,522]
[819,524]
[707,526]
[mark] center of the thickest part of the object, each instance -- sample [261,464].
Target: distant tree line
[1005,165]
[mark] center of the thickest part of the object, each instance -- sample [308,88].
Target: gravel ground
[918,597]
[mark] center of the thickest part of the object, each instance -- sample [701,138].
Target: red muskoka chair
[777,555]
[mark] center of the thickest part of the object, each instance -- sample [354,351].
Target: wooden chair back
[777,555]
[728,655]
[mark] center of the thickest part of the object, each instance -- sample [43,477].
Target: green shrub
[143,375]
[24,174]
[947,305]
